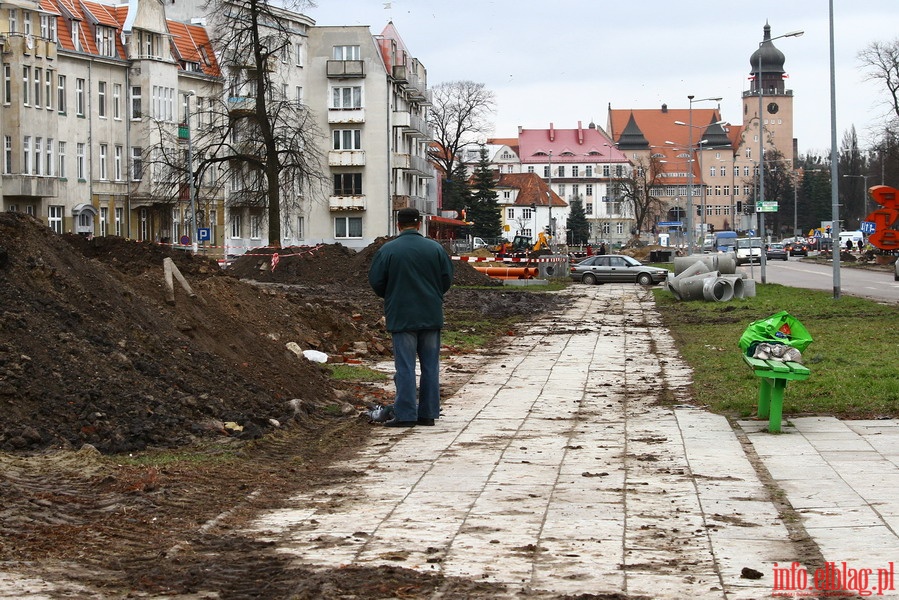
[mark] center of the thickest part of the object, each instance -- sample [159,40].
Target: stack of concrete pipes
[711,277]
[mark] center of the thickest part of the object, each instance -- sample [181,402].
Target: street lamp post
[690,231]
[760,90]
[192,191]
[864,191]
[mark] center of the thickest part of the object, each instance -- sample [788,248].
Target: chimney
[580,133]
[664,108]
[552,133]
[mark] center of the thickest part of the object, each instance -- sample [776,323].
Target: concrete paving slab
[554,470]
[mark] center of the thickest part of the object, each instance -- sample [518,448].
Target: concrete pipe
[749,288]
[690,288]
[725,263]
[737,282]
[717,289]
[688,268]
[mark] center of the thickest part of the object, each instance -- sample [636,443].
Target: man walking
[412,273]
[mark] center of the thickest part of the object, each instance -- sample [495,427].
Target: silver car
[616,268]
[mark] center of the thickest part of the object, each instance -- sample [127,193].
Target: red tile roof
[658,125]
[191,43]
[531,189]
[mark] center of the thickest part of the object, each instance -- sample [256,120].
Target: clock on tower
[773,108]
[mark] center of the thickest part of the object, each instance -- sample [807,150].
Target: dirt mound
[330,264]
[91,353]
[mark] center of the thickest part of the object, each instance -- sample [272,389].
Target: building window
[119,220]
[116,101]
[348,184]
[546,172]
[48,158]
[26,155]
[54,218]
[588,171]
[101,99]
[135,102]
[347,139]
[48,89]
[7,83]
[299,94]
[61,94]
[36,162]
[562,171]
[717,190]
[588,208]
[575,170]
[348,227]
[588,190]
[104,221]
[76,35]
[298,54]
[561,190]
[79,160]
[255,227]
[530,169]
[13,18]
[137,163]
[26,86]
[105,40]
[236,226]
[38,84]
[527,214]
[61,160]
[7,154]
[301,228]
[104,171]
[346,97]
[346,53]
[510,214]
[575,190]
[79,97]
[606,171]
[48,27]
[118,163]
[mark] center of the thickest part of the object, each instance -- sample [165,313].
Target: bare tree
[460,115]
[881,62]
[247,129]
[635,191]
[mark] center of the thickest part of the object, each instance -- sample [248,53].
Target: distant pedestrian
[602,248]
[848,245]
[412,273]
[861,246]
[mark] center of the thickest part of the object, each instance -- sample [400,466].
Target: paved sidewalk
[567,465]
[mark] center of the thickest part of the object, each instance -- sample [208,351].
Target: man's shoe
[395,423]
[427,422]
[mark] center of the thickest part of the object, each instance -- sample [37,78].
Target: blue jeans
[425,345]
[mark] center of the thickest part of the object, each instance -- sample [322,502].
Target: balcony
[418,202]
[339,203]
[20,44]
[346,68]
[30,186]
[419,166]
[412,125]
[241,106]
[346,115]
[346,158]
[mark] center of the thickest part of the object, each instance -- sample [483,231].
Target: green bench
[773,377]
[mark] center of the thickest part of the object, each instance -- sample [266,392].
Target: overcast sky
[565,61]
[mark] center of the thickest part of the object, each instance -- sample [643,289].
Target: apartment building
[573,163]
[105,107]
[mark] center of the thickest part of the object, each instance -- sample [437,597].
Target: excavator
[523,246]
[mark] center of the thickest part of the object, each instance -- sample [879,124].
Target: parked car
[616,268]
[797,248]
[776,252]
[748,250]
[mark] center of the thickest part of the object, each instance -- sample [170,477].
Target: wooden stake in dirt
[169,268]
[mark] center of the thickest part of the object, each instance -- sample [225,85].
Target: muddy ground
[137,435]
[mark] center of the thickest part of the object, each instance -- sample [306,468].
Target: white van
[478,243]
[855,236]
[748,250]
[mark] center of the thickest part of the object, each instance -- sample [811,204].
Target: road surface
[865,283]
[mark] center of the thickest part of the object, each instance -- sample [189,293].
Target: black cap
[407,216]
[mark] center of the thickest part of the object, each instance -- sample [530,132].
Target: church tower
[768,80]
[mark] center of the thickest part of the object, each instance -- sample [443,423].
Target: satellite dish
[29,41]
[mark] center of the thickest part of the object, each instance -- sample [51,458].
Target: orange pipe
[508,272]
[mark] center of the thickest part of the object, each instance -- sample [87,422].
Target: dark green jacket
[411,273]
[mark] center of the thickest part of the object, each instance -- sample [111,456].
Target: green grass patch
[852,359]
[161,458]
[344,372]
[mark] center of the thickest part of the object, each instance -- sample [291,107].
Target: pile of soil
[95,365]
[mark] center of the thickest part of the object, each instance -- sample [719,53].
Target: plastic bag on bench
[779,328]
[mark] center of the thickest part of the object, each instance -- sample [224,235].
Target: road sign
[671,224]
[204,234]
[766,206]
[817,233]
[751,232]
[868,227]
[185,240]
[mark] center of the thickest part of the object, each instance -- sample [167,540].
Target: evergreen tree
[578,228]
[483,208]
[456,190]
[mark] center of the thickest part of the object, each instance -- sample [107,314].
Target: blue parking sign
[204,234]
[868,227]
